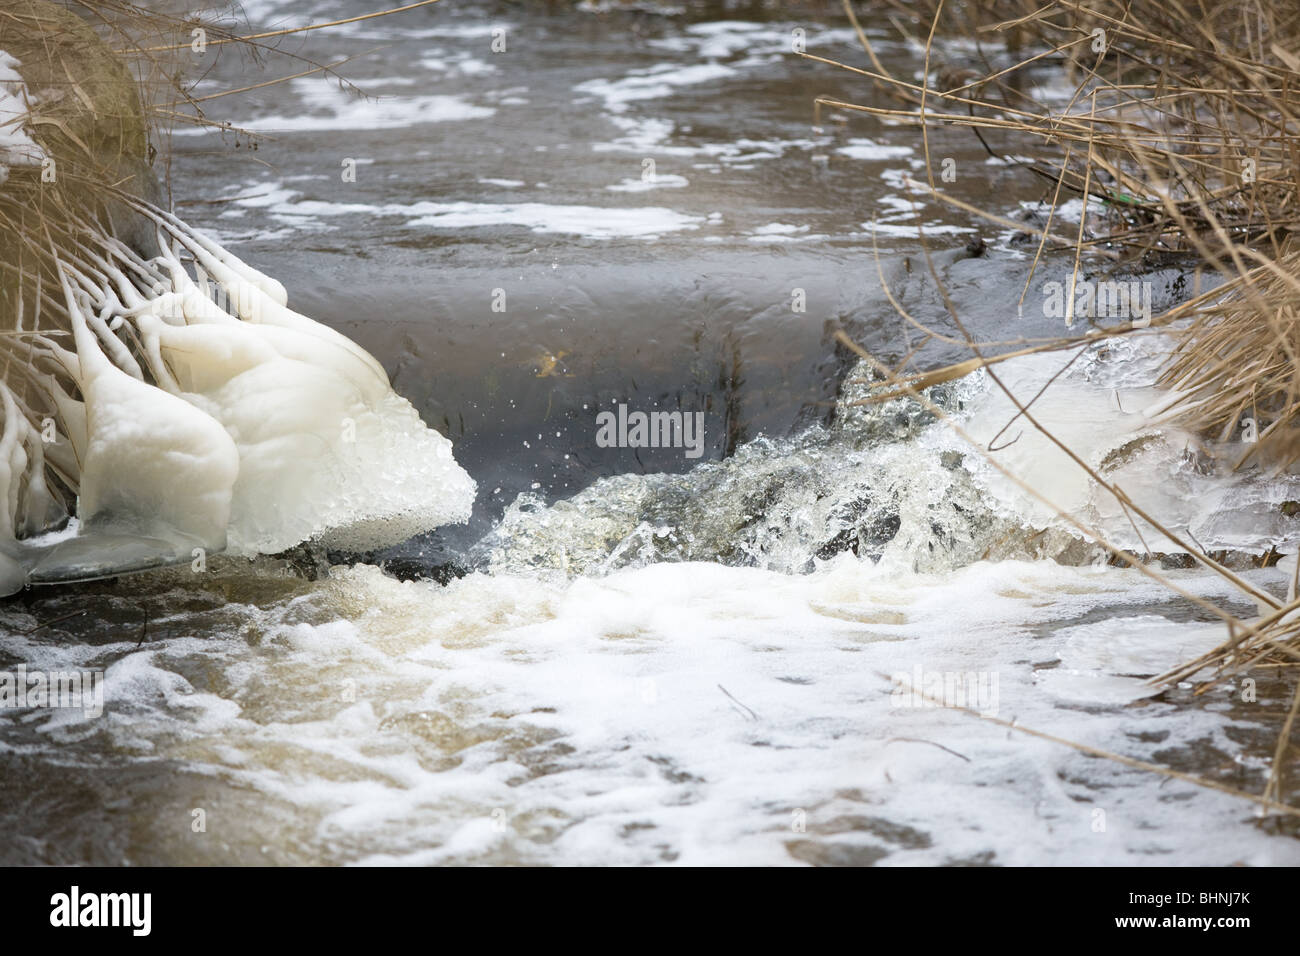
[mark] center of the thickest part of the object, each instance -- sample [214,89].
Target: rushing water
[630,655]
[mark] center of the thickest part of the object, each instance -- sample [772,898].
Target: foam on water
[870,150]
[725,39]
[688,713]
[593,222]
[328,107]
[718,666]
[653,83]
[590,221]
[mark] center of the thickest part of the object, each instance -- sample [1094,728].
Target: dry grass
[1182,138]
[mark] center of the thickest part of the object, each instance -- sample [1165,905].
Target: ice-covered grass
[178,407]
[17,148]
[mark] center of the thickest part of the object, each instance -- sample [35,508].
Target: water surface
[648,659]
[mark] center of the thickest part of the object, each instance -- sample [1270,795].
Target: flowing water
[636,655]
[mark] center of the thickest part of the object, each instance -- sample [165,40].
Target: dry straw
[1182,139]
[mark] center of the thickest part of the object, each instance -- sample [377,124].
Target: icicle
[13,462]
[252,304]
[271,287]
[153,463]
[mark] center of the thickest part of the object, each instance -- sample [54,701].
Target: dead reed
[1181,137]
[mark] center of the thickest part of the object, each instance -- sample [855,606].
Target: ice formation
[16,145]
[1103,406]
[175,406]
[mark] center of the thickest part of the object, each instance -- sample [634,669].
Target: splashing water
[889,482]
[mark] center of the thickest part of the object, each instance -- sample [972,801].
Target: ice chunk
[196,428]
[153,463]
[1113,430]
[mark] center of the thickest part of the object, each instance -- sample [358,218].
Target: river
[638,655]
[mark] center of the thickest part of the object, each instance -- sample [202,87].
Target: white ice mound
[327,451]
[151,463]
[183,426]
[337,469]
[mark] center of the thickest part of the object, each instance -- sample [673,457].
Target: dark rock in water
[428,561]
[845,540]
[412,570]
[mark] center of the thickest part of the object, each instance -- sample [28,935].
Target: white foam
[594,222]
[658,181]
[458,63]
[589,221]
[867,149]
[778,232]
[687,713]
[893,229]
[653,83]
[763,42]
[325,106]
